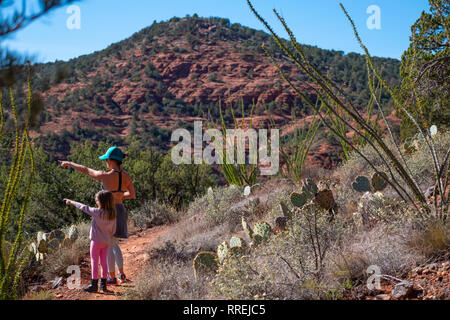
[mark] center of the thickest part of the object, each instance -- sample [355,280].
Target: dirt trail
[135,257]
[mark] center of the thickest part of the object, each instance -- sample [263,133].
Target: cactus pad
[42,246]
[66,243]
[362,184]
[309,188]
[257,239]
[236,241]
[56,234]
[284,208]
[72,234]
[205,261]
[280,223]
[325,199]
[222,251]
[379,181]
[41,236]
[247,228]
[39,256]
[298,199]
[53,244]
[33,248]
[263,229]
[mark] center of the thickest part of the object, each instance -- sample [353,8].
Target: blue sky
[317,22]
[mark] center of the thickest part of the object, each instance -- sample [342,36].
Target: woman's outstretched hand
[64,164]
[68,201]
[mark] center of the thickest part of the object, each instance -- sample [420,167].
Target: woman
[120,184]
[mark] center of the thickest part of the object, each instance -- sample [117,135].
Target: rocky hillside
[172,72]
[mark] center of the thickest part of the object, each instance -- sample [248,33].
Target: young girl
[102,230]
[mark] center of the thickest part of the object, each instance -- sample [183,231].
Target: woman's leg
[119,258]
[112,259]
[95,253]
[115,257]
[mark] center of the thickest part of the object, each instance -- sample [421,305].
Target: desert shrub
[217,205]
[289,266]
[153,213]
[169,276]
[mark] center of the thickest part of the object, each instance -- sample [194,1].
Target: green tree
[425,70]
[182,183]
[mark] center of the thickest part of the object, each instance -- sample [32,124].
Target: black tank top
[119,189]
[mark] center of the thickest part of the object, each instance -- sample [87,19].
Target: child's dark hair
[106,202]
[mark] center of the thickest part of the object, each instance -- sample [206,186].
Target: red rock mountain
[171,73]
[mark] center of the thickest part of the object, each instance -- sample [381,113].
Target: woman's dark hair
[119,163]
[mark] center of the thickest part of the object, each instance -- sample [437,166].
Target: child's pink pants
[99,251]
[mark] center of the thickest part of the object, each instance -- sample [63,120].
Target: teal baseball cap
[113,153]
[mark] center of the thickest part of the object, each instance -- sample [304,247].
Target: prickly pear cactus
[263,229]
[298,199]
[56,234]
[379,181]
[286,212]
[67,243]
[72,234]
[236,241]
[205,261]
[41,236]
[237,245]
[247,228]
[53,244]
[42,246]
[254,202]
[33,248]
[41,243]
[39,256]
[325,199]
[257,239]
[280,223]
[309,188]
[361,184]
[222,251]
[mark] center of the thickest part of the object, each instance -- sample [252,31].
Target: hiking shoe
[103,285]
[111,282]
[92,287]
[122,278]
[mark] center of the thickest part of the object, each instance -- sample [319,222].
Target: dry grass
[384,247]
[431,240]
[169,276]
[41,295]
